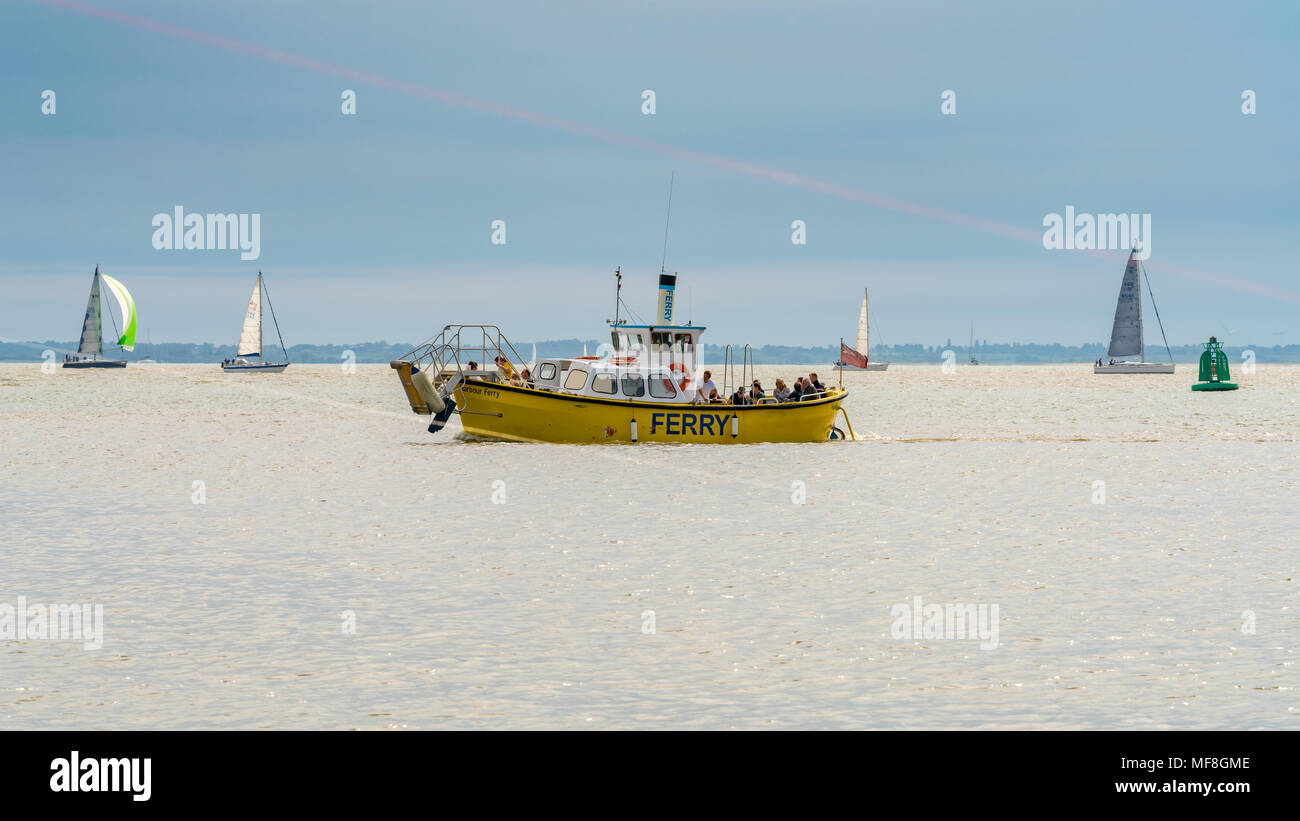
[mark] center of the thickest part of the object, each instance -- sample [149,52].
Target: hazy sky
[379,225]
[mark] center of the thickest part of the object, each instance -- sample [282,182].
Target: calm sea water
[1172,604]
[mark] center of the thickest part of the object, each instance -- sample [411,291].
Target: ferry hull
[1135,367]
[495,411]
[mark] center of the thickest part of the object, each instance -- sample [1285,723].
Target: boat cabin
[660,344]
[606,379]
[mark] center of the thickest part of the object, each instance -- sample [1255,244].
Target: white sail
[864,332]
[1126,335]
[91,344]
[250,339]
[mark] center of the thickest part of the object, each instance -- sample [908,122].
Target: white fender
[424,386]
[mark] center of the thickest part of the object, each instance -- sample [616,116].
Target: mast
[1142,338]
[663,262]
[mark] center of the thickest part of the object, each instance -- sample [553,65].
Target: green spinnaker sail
[127,304]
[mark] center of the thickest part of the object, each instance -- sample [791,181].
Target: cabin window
[604,383]
[685,340]
[662,387]
[633,385]
[619,341]
[547,371]
[575,380]
[661,338]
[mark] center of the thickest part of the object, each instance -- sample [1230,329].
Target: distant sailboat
[248,355]
[1126,333]
[148,360]
[90,351]
[859,359]
[970,347]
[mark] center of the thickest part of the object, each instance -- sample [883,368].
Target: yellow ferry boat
[642,387]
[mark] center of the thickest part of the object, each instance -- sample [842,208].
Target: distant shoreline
[821,357]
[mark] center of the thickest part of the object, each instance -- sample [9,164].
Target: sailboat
[90,351]
[860,356]
[1126,334]
[248,355]
[970,347]
[148,360]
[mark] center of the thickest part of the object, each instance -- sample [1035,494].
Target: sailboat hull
[1135,367]
[871,366]
[96,363]
[267,367]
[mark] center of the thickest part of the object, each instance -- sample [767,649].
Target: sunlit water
[324,494]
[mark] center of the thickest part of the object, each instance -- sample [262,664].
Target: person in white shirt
[706,388]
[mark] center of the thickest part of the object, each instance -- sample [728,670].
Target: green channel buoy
[1214,369]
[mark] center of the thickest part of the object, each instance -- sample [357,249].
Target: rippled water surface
[324,494]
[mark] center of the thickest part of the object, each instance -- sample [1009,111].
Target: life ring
[680,368]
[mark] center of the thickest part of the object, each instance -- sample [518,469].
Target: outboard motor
[440,418]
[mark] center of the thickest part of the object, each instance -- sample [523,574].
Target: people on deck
[756,393]
[781,391]
[525,378]
[714,399]
[740,397]
[473,366]
[504,366]
[796,392]
[707,388]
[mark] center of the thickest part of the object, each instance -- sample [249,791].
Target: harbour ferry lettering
[678,424]
[482,392]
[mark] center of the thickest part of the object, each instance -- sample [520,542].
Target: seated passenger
[503,365]
[473,366]
[714,399]
[756,393]
[739,397]
[781,392]
[796,393]
[816,383]
[525,379]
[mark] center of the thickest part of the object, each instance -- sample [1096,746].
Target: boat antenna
[667,220]
[1157,310]
[618,290]
[273,319]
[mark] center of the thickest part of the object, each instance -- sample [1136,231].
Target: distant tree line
[382,352]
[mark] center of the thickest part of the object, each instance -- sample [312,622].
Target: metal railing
[450,353]
[729,364]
